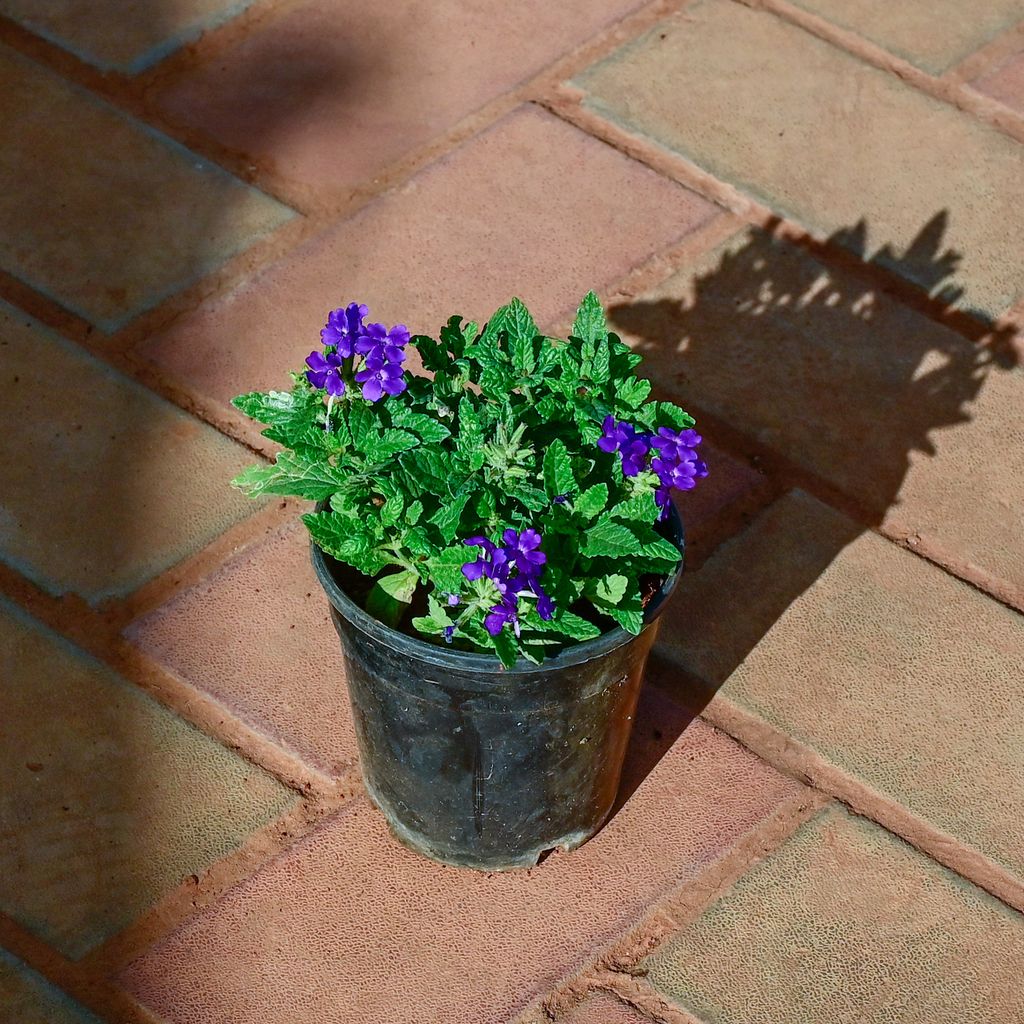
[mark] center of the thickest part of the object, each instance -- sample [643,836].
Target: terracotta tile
[933,34]
[109,799]
[891,156]
[491,219]
[101,213]
[121,36]
[257,635]
[602,1008]
[345,88]
[130,484]
[28,998]
[1005,82]
[846,923]
[883,664]
[902,415]
[351,926]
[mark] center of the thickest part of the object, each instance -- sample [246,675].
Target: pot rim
[489,664]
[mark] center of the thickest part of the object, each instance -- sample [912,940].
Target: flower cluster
[346,336]
[675,460]
[514,568]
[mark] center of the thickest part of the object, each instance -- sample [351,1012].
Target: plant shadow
[815,371]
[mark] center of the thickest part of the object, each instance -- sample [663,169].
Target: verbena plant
[516,485]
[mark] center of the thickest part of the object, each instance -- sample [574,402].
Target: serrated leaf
[400,585]
[628,618]
[590,324]
[610,540]
[342,538]
[447,517]
[532,497]
[674,416]
[592,501]
[293,474]
[557,470]
[573,626]
[445,568]
[662,550]
[641,508]
[471,435]
[390,596]
[633,391]
[424,426]
[391,510]
[380,447]
[610,590]
[600,364]
[413,512]
[360,423]
[507,649]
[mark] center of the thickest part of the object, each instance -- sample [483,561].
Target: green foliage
[500,433]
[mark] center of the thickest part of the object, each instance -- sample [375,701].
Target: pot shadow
[839,388]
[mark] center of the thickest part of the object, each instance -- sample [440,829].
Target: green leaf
[600,367]
[641,508]
[611,540]
[380,447]
[342,539]
[400,585]
[675,417]
[592,501]
[610,590]
[506,648]
[391,510]
[445,568]
[447,517]
[293,474]
[572,625]
[590,325]
[390,596]
[360,423]
[425,427]
[413,512]
[532,497]
[558,478]
[633,391]
[629,619]
[662,550]
[470,438]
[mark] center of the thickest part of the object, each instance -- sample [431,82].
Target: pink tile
[532,207]
[330,93]
[257,636]
[349,926]
[1005,83]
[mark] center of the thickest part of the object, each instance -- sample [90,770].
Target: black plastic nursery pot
[484,767]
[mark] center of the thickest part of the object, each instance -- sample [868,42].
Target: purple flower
[453,600]
[501,615]
[620,436]
[388,346]
[677,463]
[325,372]
[344,326]
[379,378]
[522,550]
[448,632]
[519,554]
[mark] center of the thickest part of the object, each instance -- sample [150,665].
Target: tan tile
[109,799]
[602,1008]
[846,923]
[331,92]
[493,219]
[933,34]
[28,998]
[119,35]
[886,666]
[351,926]
[824,138]
[921,428]
[101,213]
[105,485]
[257,635]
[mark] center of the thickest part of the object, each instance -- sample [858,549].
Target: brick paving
[806,214]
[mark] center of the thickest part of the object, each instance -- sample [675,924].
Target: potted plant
[496,538]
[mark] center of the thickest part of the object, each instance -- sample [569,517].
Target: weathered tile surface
[330,93]
[109,800]
[933,34]
[602,1008]
[495,216]
[104,484]
[101,213]
[351,926]
[882,663]
[1005,82]
[257,635]
[122,35]
[846,923]
[823,137]
[904,416]
[28,998]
